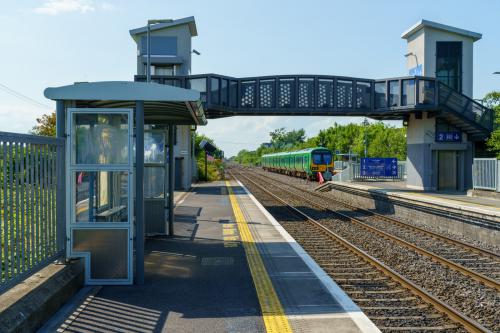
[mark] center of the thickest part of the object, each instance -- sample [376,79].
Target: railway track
[479,264]
[391,300]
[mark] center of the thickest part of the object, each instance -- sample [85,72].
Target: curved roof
[162,103]
[122,91]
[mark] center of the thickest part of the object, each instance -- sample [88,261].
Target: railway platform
[458,200]
[475,218]
[230,268]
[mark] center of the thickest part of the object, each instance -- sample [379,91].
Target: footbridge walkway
[321,95]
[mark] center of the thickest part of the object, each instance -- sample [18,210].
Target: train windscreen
[322,158]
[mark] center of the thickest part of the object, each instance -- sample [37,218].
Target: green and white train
[305,163]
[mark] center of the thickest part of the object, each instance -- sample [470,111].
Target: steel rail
[456,242]
[492,283]
[470,324]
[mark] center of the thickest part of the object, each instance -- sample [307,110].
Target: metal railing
[391,98]
[486,174]
[31,176]
[466,107]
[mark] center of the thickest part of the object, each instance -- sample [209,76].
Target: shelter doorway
[99,160]
[447,170]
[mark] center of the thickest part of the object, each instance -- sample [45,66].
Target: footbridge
[321,95]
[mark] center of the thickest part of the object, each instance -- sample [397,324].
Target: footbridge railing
[30,179]
[324,95]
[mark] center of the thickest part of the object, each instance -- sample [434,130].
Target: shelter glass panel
[426,92]
[325,93]
[449,64]
[344,94]
[200,85]
[393,93]
[154,147]
[172,82]
[100,196]
[233,93]
[100,139]
[214,90]
[224,91]
[363,95]
[154,182]
[408,92]
[380,95]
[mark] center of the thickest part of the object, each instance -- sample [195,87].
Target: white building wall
[423,45]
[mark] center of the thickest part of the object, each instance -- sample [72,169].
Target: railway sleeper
[418,328]
[374,292]
[409,298]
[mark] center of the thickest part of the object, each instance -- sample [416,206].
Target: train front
[322,162]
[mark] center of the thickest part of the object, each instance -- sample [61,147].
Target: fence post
[61,178]
[498,175]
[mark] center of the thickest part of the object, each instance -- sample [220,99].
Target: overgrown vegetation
[215,168]
[46,125]
[381,141]
[492,100]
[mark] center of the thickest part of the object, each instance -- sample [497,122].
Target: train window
[316,158]
[327,158]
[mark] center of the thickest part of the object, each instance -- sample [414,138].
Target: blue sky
[56,42]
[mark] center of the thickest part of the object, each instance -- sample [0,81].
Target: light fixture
[195,52]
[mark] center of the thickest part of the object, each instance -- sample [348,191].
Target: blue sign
[449,136]
[379,167]
[416,70]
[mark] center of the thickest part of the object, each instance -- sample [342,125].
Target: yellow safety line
[273,314]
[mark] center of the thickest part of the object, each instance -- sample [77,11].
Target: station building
[434,161]
[171,56]
[129,144]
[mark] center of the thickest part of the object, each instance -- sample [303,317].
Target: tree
[280,138]
[46,125]
[492,100]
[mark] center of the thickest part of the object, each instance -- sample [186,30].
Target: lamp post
[148,38]
[416,59]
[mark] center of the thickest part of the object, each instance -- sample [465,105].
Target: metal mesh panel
[286,92]
[325,93]
[344,94]
[306,93]
[266,93]
[247,97]
[363,95]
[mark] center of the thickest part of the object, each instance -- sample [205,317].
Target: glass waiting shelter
[119,173]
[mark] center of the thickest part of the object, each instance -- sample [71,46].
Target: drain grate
[217,261]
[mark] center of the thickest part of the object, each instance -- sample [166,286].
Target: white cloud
[19,118]
[55,7]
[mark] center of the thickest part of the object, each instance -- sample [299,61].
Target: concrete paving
[454,199]
[199,280]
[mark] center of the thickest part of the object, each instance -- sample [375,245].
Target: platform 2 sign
[448,136]
[379,167]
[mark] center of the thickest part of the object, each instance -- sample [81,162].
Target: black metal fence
[31,176]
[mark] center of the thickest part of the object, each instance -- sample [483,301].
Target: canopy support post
[139,191]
